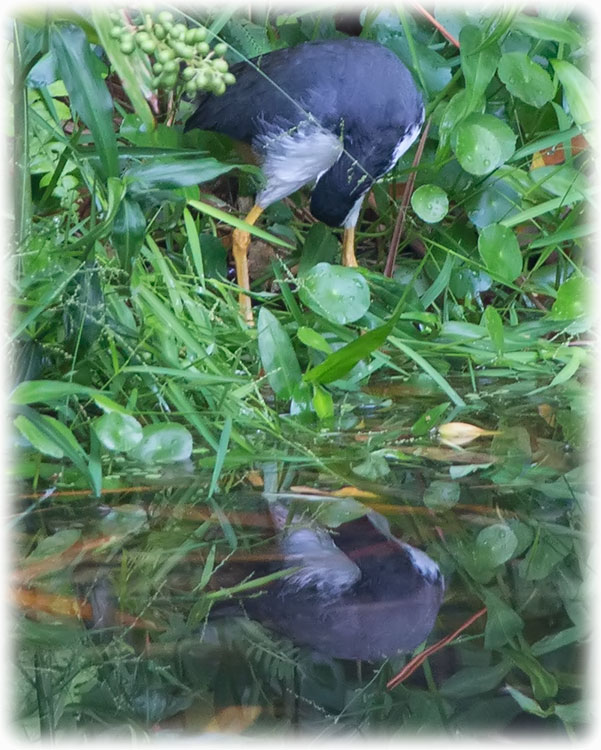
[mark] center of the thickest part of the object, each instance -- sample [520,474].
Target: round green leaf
[335,292]
[495,200]
[573,299]
[482,143]
[163,443]
[430,203]
[495,545]
[441,495]
[118,432]
[499,249]
[525,79]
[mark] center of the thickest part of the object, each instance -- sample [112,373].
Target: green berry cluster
[179,54]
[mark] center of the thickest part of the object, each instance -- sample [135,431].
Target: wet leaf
[580,92]
[118,432]
[499,249]
[495,545]
[573,299]
[441,495]
[430,203]
[526,79]
[523,533]
[496,200]
[482,143]
[478,61]
[163,443]
[502,622]
[474,680]
[277,355]
[337,293]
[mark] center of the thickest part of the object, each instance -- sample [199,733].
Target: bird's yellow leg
[240,245]
[348,248]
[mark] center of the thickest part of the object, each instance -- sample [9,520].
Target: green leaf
[502,622]
[50,391]
[55,544]
[573,299]
[544,685]
[172,172]
[552,642]
[564,181]
[128,232]
[38,439]
[441,495]
[578,712]
[88,93]
[315,340]
[337,293]
[430,203]
[233,221]
[118,432]
[528,704]
[277,355]
[163,443]
[494,325]
[333,513]
[581,94]
[526,79]
[495,545]
[540,27]
[321,246]
[444,385]
[473,681]
[337,364]
[478,62]
[547,551]
[323,403]
[494,200]
[429,419]
[499,249]
[482,143]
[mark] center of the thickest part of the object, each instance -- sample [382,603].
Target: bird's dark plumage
[360,592]
[355,95]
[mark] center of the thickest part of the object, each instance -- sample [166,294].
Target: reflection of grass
[130,352]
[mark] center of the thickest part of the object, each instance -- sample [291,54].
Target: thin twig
[418,660]
[402,215]
[437,25]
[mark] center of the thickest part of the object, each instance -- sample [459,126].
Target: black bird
[359,593]
[336,113]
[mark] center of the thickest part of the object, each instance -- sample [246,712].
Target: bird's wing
[323,565]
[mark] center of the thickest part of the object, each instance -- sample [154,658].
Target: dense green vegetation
[146,412]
